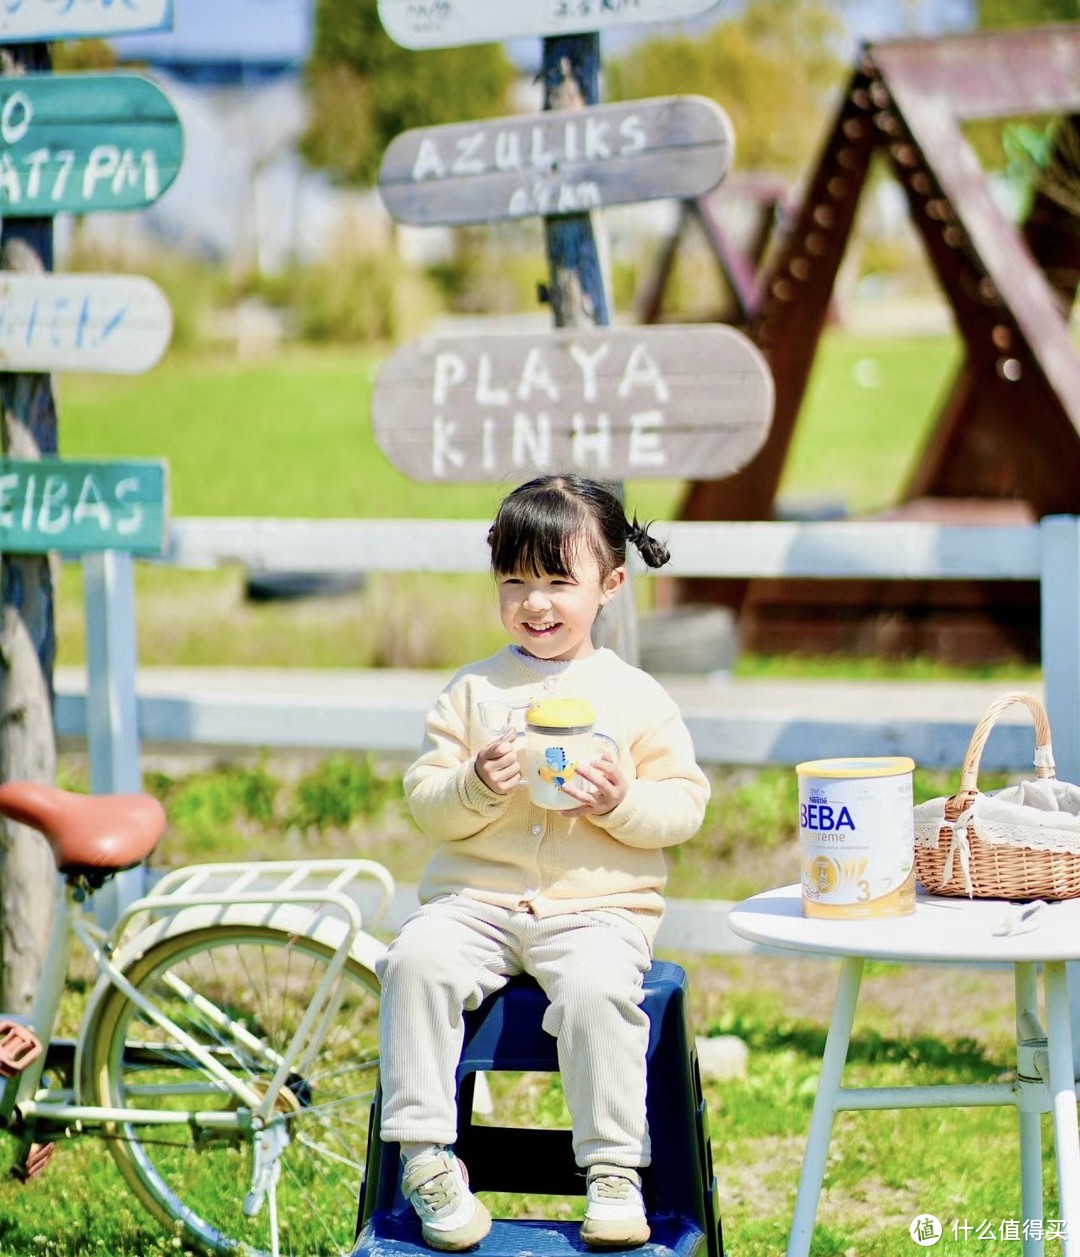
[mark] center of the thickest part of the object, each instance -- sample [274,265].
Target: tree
[772,68]
[364,89]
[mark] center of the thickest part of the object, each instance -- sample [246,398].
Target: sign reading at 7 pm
[80,142]
[447,23]
[25,20]
[74,507]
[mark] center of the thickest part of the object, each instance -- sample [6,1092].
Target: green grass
[291,436]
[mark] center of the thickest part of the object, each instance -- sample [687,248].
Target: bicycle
[229,1047]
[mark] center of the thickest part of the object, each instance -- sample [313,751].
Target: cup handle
[604,747]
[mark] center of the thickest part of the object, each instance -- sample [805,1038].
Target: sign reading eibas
[564,161]
[618,403]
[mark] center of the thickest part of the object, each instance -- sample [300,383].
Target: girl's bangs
[537,537]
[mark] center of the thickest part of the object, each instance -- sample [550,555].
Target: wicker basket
[1006,868]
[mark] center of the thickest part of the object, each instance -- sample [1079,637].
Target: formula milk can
[857,839]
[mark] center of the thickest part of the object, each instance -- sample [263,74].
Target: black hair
[539,524]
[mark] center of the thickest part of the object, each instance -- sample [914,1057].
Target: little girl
[572,897]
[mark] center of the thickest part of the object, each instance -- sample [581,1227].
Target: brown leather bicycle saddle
[95,833]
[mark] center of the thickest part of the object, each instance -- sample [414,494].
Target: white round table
[964,932]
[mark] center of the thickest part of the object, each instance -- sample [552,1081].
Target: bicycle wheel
[240,991]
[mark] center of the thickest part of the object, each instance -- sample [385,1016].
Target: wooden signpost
[77,507]
[82,142]
[119,324]
[628,403]
[560,162]
[27,21]
[448,23]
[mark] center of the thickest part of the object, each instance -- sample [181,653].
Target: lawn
[291,436]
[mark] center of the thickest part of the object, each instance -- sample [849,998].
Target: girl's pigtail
[654,552]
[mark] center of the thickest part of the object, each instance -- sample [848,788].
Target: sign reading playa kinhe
[448,23]
[559,162]
[619,403]
[82,142]
[26,20]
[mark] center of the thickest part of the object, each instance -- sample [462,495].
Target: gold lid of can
[857,766]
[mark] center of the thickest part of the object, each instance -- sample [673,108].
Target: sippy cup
[558,737]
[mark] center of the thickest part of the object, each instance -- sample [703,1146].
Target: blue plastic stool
[505,1033]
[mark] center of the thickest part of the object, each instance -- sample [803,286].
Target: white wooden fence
[114,718]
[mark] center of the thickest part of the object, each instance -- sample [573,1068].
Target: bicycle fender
[285,918]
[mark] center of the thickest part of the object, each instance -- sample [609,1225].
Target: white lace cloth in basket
[1042,815]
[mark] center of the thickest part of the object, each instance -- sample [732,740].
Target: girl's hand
[497,765]
[610,787]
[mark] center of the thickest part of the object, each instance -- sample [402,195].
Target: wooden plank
[629,403]
[912,551]
[110,323]
[23,21]
[560,162]
[450,23]
[82,142]
[79,506]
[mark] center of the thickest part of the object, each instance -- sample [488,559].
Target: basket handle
[1044,756]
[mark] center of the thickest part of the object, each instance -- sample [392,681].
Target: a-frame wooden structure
[1007,441]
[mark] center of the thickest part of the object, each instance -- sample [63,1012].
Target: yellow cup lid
[561,713]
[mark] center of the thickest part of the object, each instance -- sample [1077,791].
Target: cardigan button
[538,829]
[551,683]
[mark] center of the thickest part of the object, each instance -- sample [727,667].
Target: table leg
[1062,1083]
[821,1121]
[1029,1113]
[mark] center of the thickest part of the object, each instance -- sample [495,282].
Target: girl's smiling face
[550,615]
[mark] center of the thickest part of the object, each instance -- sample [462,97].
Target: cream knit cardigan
[503,849]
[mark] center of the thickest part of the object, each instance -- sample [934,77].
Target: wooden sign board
[633,403]
[119,324]
[566,161]
[449,23]
[75,507]
[81,142]
[22,21]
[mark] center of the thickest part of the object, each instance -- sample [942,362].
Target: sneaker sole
[612,1235]
[461,1237]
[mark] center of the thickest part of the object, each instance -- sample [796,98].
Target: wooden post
[580,286]
[27,633]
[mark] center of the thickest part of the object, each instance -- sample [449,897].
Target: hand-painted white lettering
[443,451]
[130,519]
[646,447]
[91,505]
[15,116]
[450,370]
[487,444]
[642,371]
[508,150]
[485,394]
[9,483]
[596,139]
[535,374]
[578,197]
[54,513]
[428,163]
[588,362]
[591,449]
[468,161]
[10,185]
[632,130]
[531,441]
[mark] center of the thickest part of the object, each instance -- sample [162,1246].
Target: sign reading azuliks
[564,161]
[619,403]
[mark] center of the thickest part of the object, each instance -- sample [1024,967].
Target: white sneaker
[615,1215]
[437,1187]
